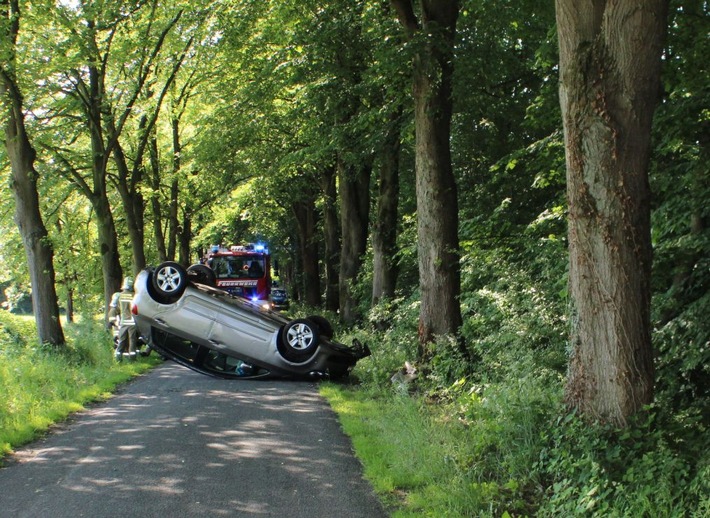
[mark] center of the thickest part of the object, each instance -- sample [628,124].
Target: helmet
[127,283]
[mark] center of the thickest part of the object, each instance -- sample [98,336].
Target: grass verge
[41,385]
[507,450]
[420,457]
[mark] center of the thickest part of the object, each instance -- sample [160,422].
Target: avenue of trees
[430,154]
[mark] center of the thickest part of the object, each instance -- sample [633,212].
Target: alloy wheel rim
[168,279]
[300,336]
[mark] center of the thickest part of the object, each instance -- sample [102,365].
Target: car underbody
[215,333]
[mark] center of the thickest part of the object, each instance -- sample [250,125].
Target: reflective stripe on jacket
[124,302]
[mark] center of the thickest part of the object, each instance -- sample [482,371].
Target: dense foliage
[234,120]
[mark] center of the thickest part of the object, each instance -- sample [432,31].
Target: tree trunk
[133,207]
[173,221]
[155,206]
[304,212]
[69,315]
[384,235]
[354,184]
[97,193]
[609,85]
[185,234]
[294,272]
[91,97]
[28,217]
[437,199]
[108,248]
[332,239]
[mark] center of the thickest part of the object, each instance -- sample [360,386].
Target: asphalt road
[175,443]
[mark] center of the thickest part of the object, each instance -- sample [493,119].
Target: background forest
[161,128]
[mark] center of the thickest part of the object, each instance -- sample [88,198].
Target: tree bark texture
[108,247]
[90,93]
[28,217]
[306,222]
[97,193]
[354,190]
[184,238]
[384,235]
[609,85]
[437,201]
[174,218]
[133,205]
[332,239]
[131,178]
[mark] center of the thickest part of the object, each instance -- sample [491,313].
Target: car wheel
[168,281]
[202,274]
[300,339]
[324,326]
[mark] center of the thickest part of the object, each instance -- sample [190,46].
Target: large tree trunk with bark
[354,183]
[437,198]
[133,206]
[91,97]
[305,215]
[332,239]
[28,217]
[384,235]
[609,86]
[97,193]
[130,179]
[108,248]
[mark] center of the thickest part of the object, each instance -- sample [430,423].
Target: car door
[239,329]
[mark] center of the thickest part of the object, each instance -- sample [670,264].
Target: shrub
[593,470]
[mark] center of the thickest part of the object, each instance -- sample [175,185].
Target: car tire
[202,274]
[168,281]
[324,326]
[299,340]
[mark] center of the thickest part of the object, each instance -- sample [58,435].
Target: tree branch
[406,16]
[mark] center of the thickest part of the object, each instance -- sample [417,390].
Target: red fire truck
[243,270]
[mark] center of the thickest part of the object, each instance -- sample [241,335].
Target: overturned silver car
[185,318]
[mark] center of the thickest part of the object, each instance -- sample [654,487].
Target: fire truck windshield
[243,267]
[241,270]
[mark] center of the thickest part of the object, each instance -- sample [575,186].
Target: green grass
[428,458]
[447,449]
[42,385]
[510,450]
[384,433]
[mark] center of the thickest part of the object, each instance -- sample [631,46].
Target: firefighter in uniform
[127,334]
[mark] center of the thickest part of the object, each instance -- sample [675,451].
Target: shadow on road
[177,443]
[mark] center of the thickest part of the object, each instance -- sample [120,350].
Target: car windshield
[241,267]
